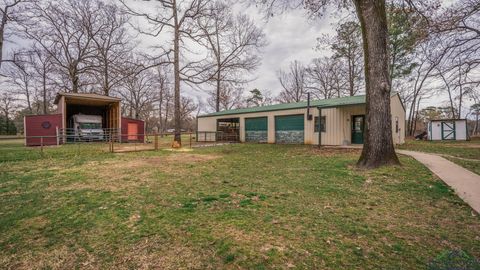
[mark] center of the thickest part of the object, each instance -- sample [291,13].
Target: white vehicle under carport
[87,127]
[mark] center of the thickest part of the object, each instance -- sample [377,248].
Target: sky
[291,36]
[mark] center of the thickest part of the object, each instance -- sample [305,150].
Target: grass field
[463,149]
[234,206]
[463,153]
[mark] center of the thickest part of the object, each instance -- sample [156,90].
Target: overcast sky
[291,36]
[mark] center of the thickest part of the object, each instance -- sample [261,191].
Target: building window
[322,124]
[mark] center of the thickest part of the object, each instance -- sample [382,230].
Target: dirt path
[465,183]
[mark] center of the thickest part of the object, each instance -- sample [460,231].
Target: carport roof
[323,103]
[87,96]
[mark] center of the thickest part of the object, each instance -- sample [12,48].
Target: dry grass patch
[154,253]
[117,175]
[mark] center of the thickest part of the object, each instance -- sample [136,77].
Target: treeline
[431,54]
[93,46]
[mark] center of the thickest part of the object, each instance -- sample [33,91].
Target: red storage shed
[133,130]
[42,125]
[69,104]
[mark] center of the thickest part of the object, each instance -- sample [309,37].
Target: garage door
[256,129]
[290,129]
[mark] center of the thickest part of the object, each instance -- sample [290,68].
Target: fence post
[156,140]
[190,139]
[111,142]
[58,135]
[41,145]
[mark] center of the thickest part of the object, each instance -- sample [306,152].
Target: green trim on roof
[324,103]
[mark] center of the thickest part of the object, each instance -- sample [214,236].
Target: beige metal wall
[338,123]
[398,112]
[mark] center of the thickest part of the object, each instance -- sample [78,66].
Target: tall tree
[180,17]
[139,93]
[229,97]
[406,28]
[10,12]
[347,47]
[378,146]
[112,44]
[7,106]
[259,98]
[233,42]
[43,69]
[64,29]
[293,82]
[326,78]
[21,79]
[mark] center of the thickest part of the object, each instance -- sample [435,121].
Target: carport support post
[319,127]
[58,135]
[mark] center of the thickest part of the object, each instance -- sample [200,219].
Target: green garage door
[289,129]
[256,129]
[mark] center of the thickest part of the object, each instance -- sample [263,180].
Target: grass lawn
[233,206]
[463,153]
[463,149]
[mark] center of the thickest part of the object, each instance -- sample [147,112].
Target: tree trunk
[378,149]
[44,82]
[476,123]
[217,105]
[2,32]
[177,141]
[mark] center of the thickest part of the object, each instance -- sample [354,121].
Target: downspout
[319,127]
[309,116]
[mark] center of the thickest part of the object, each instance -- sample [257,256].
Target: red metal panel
[42,125]
[141,129]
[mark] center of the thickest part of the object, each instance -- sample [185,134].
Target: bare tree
[139,93]
[112,44]
[233,42]
[427,60]
[180,17]
[7,107]
[164,97]
[188,106]
[10,11]
[230,97]
[43,69]
[326,78]
[65,29]
[347,47]
[21,78]
[378,147]
[293,83]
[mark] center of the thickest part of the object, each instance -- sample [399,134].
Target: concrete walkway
[465,183]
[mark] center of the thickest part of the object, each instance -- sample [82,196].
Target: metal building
[341,122]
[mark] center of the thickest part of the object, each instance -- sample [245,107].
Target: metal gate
[448,130]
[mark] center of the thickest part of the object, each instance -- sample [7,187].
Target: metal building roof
[323,103]
[89,96]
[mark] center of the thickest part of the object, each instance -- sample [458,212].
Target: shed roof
[323,103]
[88,96]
